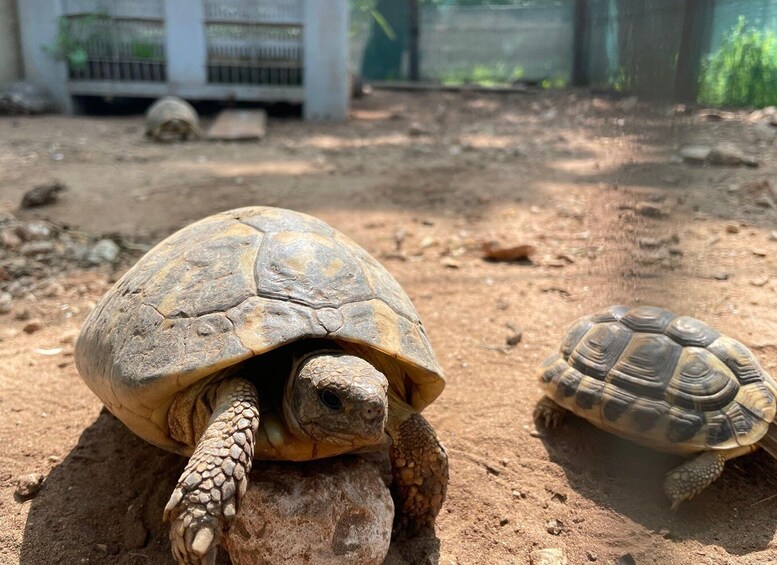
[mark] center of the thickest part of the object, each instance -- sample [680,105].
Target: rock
[495,251]
[135,533]
[695,153]
[649,210]
[104,251]
[732,228]
[591,555]
[515,336]
[42,195]
[37,248]
[729,155]
[9,239]
[28,486]
[416,130]
[626,559]
[22,314]
[6,302]
[339,510]
[554,527]
[33,231]
[765,132]
[32,326]
[548,556]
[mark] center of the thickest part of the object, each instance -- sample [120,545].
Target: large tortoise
[665,381]
[264,333]
[172,118]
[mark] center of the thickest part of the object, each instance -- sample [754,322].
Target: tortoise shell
[236,285]
[662,380]
[169,109]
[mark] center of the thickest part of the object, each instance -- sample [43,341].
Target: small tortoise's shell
[169,109]
[662,380]
[236,285]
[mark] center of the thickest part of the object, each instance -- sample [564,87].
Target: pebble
[6,302]
[626,559]
[548,556]
[732,228]
[591,555]
[514,338]
[554,527]
[32,326]
[649,210]
[28,486]
[104,251]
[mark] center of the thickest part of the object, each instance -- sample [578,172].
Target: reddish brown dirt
[564,172]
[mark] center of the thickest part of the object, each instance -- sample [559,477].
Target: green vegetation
[743,71]
[483,75]
[70,45]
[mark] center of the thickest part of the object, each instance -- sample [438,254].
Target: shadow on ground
[734,513]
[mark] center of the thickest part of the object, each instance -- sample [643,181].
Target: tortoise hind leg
[419,466]
[549,413]
[693,476]
[208,493]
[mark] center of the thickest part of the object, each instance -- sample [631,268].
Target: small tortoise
[264,333]
[665,381]
[172,118]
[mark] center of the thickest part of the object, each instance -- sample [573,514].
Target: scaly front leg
[209,491]
[419,467]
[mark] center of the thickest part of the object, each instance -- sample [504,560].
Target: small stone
[514,338]
[760,281]
[32,326]
[37,248]
[696,154]
[732,228]
[28,486]
[33,231]
[135,535]
[548,556]
[729,155]
[104,251]
[416,130]
[720,276]
[497,251]
[649,210]
[338,510]
[504,521]
[450,263]
[102,547]
[22,314]
[42,195]
[626,559]
[9,239]
[759,252]
[554,527]
[591,555]
[6,302]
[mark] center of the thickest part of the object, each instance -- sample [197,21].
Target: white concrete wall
[9,43]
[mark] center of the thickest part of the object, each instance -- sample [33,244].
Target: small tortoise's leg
[209,491]
[419,467]
[549,413]
[693,476]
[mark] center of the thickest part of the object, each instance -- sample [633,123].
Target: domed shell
[667,381]
[171,108]
[233,286]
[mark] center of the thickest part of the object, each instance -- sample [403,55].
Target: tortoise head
[336,398]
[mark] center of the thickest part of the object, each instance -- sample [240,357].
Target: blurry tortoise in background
[172,118]
[25,98]
[665,381]
[265,333]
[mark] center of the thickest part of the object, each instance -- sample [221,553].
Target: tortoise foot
[207,495]
[420,475]
[548,413]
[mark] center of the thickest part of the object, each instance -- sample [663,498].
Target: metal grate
[122,40]
[255,42]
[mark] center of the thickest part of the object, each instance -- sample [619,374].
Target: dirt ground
[419,180]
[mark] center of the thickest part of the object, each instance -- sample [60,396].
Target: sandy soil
[575,176]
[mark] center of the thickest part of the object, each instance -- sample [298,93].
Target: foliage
[743,71]
[69,45]
[483,75]
[369,7]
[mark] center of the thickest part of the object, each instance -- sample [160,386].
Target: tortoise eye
[330,399]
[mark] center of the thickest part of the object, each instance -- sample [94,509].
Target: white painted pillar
[38,27]
[185,43]
[325,59]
